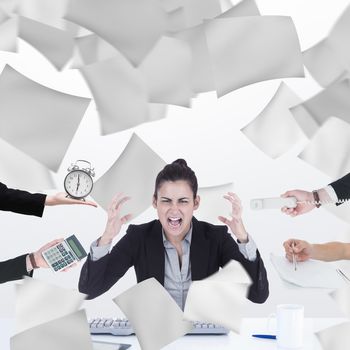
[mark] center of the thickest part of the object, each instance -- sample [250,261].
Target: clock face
[78,184]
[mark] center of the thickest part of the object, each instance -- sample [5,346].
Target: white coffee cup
[289,326]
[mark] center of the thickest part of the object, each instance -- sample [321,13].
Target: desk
[232,341]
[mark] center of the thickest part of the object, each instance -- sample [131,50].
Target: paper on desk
[332,101]
[342,298]
[70,332]
[8,35]
[333,158]
[220,298]
[133,174]
[310,273]
[131,26]
[32,115]
[55,44]
[155,317]
[12,174]
[166,70]
[275,130]
[38,302]
[335,338]
[120,93]
[246,50]
[213,204]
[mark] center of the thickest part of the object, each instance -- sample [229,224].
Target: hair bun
[180,162]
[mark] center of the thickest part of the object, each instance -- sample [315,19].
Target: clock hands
[78,183]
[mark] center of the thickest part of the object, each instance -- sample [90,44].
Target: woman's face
[175,206]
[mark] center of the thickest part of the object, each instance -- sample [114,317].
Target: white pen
[294,257]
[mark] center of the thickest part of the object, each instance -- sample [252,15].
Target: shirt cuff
[248,249]
[331,193]
[98,252]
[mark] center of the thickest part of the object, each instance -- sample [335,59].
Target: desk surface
[244,341]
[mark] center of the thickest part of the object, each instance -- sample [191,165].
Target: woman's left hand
[235,223]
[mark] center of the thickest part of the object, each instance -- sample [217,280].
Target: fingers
[223,219]
[52,243]
[91,203]
[126,218]
[118,200]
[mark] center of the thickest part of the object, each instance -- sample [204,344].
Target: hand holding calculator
[64,254]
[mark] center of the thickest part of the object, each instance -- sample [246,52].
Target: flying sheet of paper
[243,8]
[32,115]
[38,302]
[114,21]
[310,273]
[212,203]
[198,10]
[246,50]
[155,317]
[332,101]
[329,58]
[329,149]
[202,72]
[214,299]
[55,44]
[275,130]
[120,93]
[50,13]
[3,15]
[324,62]
[14,161]
[90,49]
[166,70]
[133,174]
[8,35]
[334,338]
[70,332]
[171,5]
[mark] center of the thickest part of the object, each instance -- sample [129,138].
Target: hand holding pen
[297,250]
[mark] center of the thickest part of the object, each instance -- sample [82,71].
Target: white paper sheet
[332,101]
[120,93]
[246,50]
[38,302]
[220,298]
[55,44]
[329,58]
[134,174]
[70,332]
[275,130]
[212,204]
[155,317]
[243,8]
[115,21]
[8,35]
[329,149]
[166,70]
[12,173]
[310,273]
[334,338]
[32,115]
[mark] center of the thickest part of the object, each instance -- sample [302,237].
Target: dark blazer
[142,247]
[342,187]
[21,202]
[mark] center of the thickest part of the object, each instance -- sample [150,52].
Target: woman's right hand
[114,221]
[301,249]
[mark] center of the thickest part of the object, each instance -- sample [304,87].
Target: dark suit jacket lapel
[199,252]
[155,252]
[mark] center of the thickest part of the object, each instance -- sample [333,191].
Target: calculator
[64,254]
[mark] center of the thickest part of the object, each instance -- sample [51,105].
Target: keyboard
[118,326]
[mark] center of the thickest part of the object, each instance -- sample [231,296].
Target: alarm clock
[78,182]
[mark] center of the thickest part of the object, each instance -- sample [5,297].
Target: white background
[208,136]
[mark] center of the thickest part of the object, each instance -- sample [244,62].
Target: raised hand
[235,222]
[304,202]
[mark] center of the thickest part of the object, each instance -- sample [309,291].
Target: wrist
[104,240]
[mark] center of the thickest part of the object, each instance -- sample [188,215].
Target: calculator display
[75,248]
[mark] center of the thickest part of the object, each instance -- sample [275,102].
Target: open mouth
[174,222]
